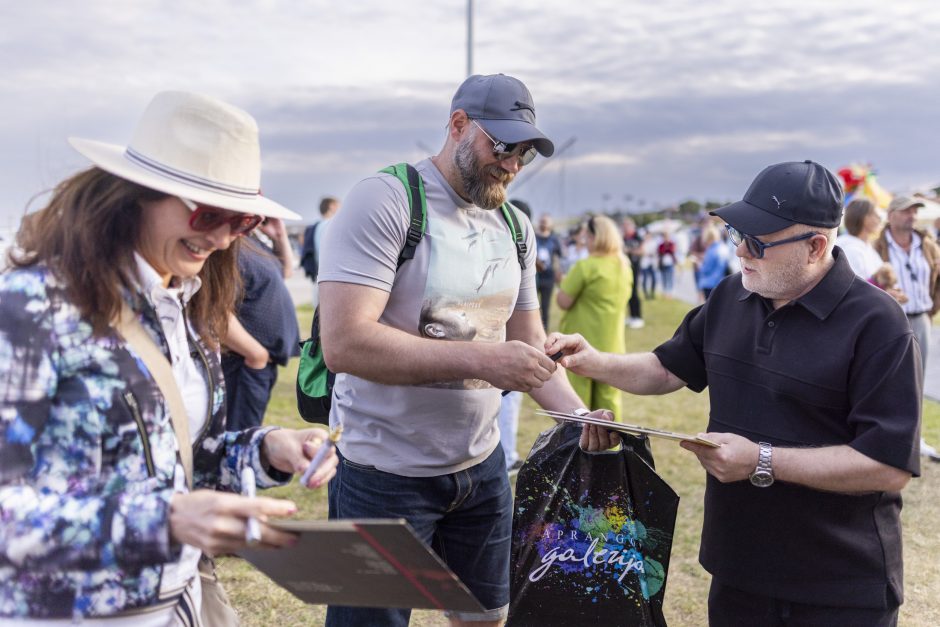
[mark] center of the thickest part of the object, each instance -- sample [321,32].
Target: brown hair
[855,213]
[87,236]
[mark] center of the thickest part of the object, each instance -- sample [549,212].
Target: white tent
[928,213]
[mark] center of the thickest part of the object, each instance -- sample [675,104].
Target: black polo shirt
[837,366]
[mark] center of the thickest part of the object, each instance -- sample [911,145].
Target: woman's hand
[216,522]
[291,450]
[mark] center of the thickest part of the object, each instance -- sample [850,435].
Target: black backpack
[314,379]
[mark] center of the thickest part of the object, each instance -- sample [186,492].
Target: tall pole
[469,37]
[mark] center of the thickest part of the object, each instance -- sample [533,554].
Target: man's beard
[784,282]
[482,194]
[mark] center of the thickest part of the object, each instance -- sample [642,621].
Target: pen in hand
[554,357]
[253,530]
[335,435]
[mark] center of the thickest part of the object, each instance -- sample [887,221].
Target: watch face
[761,478]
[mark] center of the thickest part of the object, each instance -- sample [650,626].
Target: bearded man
[419,410]
[814,380]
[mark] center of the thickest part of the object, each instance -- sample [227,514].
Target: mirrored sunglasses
[526,153]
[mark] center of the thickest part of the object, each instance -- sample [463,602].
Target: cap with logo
[504,107]
[794,192]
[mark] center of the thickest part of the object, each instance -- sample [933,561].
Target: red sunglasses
[205,218]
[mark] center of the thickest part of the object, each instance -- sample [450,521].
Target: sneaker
[928,451]
[635,323]
[514,469]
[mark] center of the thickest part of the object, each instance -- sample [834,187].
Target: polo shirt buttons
[770,324]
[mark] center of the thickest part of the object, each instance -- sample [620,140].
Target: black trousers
[634,303]
[247,392]
[731,607]
[545,301]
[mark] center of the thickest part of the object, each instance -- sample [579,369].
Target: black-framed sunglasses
[501,150]
[757,247]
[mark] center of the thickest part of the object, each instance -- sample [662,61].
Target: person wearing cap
[119,290]
[915,257]
[814,383]
[420,437]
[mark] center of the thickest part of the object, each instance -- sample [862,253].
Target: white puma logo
[779,202]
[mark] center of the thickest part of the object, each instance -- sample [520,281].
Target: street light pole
[469,37]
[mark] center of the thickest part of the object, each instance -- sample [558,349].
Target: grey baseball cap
[504,107]
[795,192]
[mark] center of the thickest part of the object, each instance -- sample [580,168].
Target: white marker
[324,449]
[253,530]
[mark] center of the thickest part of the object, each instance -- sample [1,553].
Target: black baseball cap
[794,192]
[504,107]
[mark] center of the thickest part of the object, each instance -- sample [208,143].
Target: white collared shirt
[190,376]
[913,273]
[191,379]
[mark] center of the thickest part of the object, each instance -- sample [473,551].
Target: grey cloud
[666,101]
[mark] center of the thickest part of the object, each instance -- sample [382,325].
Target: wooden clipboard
[362,563]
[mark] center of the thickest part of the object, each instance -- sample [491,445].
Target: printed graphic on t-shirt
[472,284]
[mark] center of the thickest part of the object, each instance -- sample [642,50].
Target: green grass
[262,603]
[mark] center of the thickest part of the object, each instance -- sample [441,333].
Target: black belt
[919,313]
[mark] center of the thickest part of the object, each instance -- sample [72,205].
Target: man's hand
[897,294]
[580,357]
[216,522]
[735,460]
[515,365]
[291,450]
[594,438]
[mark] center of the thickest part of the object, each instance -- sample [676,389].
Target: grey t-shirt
[463,284]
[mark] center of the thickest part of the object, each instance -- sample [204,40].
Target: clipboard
[362,563]
[627,428]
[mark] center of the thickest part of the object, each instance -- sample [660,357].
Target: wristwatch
[763,475]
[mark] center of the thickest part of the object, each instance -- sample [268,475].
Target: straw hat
[194,147]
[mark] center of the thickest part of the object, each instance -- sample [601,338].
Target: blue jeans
[466,517]
[667,273]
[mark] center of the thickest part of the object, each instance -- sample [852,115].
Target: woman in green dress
[594,298]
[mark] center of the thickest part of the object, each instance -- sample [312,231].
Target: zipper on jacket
[142,429]
[209,377]
[211,385]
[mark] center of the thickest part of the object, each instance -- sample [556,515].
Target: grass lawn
[262,603]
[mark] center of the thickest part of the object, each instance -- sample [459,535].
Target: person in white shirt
[862,221]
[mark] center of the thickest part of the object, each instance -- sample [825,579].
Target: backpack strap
[414,187]
[518,237]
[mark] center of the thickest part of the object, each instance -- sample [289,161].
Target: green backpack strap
[518,237]
[417,202]
[414,187]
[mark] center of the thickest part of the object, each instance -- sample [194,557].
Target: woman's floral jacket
[88,458]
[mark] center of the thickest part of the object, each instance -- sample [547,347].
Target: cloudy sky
[663,101]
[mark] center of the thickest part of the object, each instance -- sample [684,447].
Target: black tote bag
[592,534]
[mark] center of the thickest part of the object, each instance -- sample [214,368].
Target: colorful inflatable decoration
[860,181]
